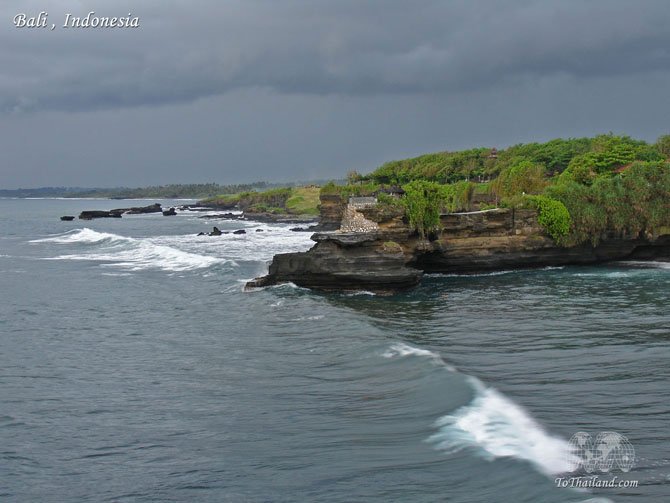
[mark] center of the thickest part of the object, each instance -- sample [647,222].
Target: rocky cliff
[392,257]
[331,211]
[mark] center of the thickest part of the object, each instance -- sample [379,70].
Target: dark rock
[241,231]
[394,257]
[331,210]
[191,207]
[152,208]
[298,229]
[259,230]
[169,213]
[67,218]
[330,266]
[226,216]
[116,213]
[202,234]
[215,232]
[90,215]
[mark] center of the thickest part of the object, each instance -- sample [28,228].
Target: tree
[663,145]
[353,176]
[522,177]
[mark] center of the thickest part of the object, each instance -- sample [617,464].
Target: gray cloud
[185,51]
[242,90]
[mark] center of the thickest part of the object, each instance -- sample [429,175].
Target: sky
[235,91]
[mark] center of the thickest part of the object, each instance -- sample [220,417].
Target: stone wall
[355,221]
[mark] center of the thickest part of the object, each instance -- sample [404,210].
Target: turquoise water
[133,367]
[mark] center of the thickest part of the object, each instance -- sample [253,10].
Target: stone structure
[353,220]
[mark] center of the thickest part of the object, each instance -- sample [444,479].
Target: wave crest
[129,253]
[498,427]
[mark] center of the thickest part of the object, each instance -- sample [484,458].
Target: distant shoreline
[99,198]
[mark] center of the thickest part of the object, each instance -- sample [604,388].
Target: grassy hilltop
[582,188]
[285,200]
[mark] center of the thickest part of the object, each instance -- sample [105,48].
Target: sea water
[134,367]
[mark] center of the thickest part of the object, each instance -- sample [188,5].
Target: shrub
[457,196]
[634,201]
[347,191]
[423,202]
[522,177]
[553,216]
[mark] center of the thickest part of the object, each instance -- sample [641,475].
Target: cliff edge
[375,249]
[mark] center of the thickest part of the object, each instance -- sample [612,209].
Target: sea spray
[497,427]
[492,424]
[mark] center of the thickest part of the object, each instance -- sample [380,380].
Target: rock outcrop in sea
[375,249]
[116,213]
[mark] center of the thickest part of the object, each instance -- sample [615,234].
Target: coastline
[390,257]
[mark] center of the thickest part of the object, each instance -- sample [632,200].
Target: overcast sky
[243,90]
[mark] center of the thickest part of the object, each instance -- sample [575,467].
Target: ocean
[135,368]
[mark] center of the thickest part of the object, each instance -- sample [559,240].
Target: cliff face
[344,262]
[331,212]
[505,238]
[392,257]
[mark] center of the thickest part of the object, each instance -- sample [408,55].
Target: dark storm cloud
[190,50]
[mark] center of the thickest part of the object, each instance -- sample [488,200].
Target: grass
[294,201]
[304,201]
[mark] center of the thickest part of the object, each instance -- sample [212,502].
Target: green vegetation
[553,216]
[289,200]
[303,201]
[423,201]
[350,190]
[523,177]
[582,188]
[632,202]
[442,167]
[174,191]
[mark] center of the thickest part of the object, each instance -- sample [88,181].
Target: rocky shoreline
[390,257]
[118,212]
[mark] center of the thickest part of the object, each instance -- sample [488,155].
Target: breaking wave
[129,253]
[498,427]
[492,424]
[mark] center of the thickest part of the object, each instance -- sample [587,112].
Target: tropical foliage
[582,188]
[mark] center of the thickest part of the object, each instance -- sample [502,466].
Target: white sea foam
[130,253]
[252,246]
[402,350]
[494,425]
[651,264]
[211,213]
[182,252]
[494,273]
[84,235]
[361,292]
[475,275]
[497,427]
